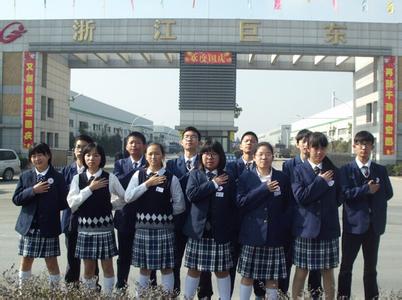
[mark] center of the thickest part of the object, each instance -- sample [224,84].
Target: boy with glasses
[366,188]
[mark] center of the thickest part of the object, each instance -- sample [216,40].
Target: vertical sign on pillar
[389,105]
[28,109]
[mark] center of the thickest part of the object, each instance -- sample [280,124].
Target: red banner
[208,58]
[389,105]
[28,99]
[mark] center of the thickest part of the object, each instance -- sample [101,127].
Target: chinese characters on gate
[389,105]
[28,99]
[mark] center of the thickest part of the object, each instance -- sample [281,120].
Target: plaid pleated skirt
[262,263]
[154,249]
[207,255]
[33,244]
[94,246]
[316,254]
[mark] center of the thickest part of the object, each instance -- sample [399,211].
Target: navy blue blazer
[236,168]
[289,165]
[124,219]
[263,212]
[69,222]
[356,215]
[316,213]
[46,206]
[202,193]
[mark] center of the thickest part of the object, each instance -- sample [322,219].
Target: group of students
[242,216]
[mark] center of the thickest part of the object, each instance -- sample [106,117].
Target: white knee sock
[108,283]
[245,291]
[191,286]
[168,282]
[272,294]
[142,283]
[23,276]
[54,280]
[89,283]
[224,288]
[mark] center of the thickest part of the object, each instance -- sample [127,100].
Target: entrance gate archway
[208,52]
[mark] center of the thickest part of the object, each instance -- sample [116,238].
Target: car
[230,157]
[9,164]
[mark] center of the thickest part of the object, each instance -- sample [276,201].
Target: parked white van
[9,164]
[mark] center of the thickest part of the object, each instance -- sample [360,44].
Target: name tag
[331,183]
[159,189]
[277,193]
[219,194]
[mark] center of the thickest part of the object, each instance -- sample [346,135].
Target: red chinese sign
[389,105]
[12,32]
[28,99]
[208,58]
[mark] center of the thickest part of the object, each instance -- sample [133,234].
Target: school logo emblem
[11,32]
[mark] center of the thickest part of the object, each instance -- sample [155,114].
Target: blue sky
[265,96]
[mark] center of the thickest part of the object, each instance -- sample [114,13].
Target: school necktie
[91,179]
[366,171]
[40,178]
[135,165]
[188,165]
[210,176]
[317,170]
[248,166]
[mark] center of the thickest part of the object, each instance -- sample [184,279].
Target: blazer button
[265,221]
[265,209]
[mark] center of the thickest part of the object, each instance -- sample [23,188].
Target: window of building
[56,140]
[44,70]
[50,107]
[43,137]
[71,123]
[83,125]
[49,139]
[369,112]
[43,108]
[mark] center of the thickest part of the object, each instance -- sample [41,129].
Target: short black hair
[317,140]
[363,136]
[303,134]
[214,146]
[249,133]
[83,137]
[136,134]
[191,128]
[265,144]
[42,148]
[99,149]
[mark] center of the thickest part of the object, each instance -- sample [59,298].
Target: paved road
[390,262]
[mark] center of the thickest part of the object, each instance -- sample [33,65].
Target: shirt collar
[80,169]
[43,173]
[361,165]
[265,177]
[96,175]
[192,159]
[160,172]
[215,172]
[313,165]
[136,161]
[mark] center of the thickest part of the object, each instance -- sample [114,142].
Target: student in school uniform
[366,188]
[316,190]
[248,142]
[209,224]
[263,196]
[314,276]
[159,198]
[69,222]
[93,194]
[124,219]
[41,192]
[181,167]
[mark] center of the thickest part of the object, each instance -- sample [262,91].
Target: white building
[168,137]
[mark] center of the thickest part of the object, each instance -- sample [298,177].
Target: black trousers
[125,242]
[181,241]
[351,243]
[73,268]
